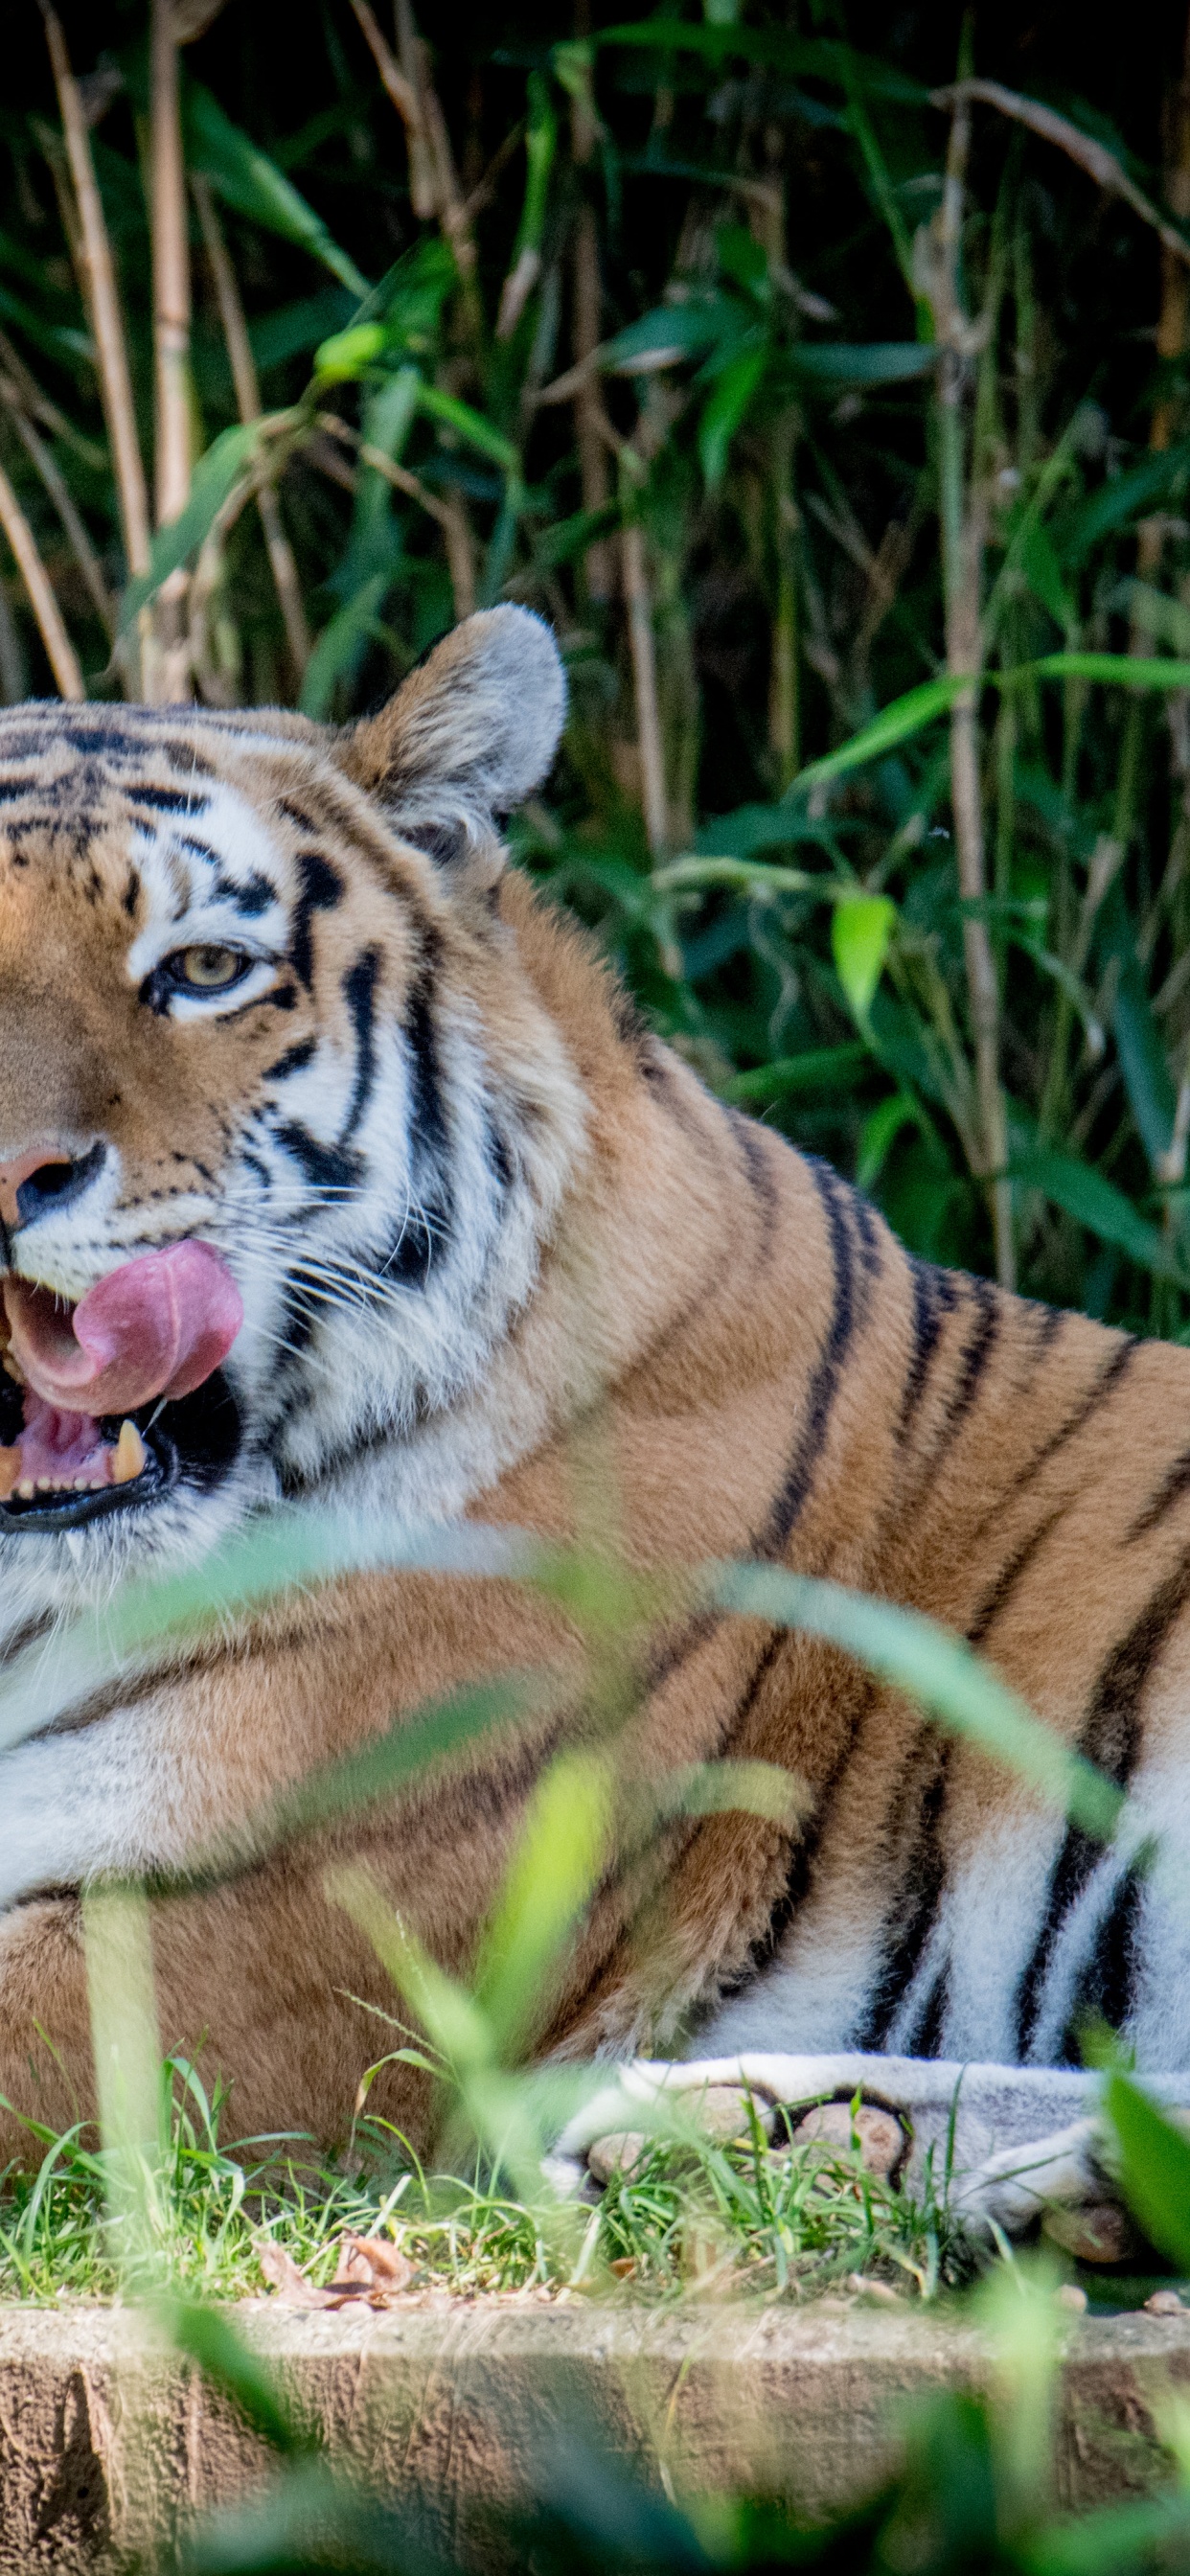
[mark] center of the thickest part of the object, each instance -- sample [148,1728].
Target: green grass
[745,2219]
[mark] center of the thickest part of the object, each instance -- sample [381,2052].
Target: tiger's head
[284,1125]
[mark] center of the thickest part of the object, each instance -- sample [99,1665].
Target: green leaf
[670,331]
[880,1133]
[295,328]
[1125,497]
[1166,620]
[1151,1095]
[249,181]
[876,362]
[937,1669]
[541,137]
[1092,1201]
[895,723]
[1043,573]
[861,927]
[228,462]
[1154,2168]
[1120,670]
[821,1069]
[338,643]
[554,1870]
[345,356]
[725,411]
[470,426]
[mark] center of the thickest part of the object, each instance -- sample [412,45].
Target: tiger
[340,1175]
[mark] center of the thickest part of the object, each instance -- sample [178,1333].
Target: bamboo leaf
[861,927]
[726,409]
[249,181]
[1085,1195]
[1154,2166]
[228,462]
[878,362]
[469,425]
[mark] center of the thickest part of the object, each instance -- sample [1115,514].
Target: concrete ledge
[107,2440]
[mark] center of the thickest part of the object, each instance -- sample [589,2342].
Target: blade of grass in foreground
[290,1550]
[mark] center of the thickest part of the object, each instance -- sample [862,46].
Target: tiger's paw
[998,2144]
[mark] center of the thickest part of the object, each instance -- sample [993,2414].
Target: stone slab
[108,2441]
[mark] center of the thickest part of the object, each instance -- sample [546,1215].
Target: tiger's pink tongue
[158,1326]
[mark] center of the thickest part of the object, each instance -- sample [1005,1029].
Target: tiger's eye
[208,970]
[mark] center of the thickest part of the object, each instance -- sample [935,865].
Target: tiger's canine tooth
[129,1454]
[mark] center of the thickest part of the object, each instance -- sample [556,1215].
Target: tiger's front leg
[999,2143]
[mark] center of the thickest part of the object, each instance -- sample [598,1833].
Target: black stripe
[408,1262]
[925,2038]
[326,1166]
[293,1060]
[1174,1483]
[428,1116]
[1111,1738]
[976,1353]
[1107,1380]
[132,893]
[995,1600]
[803,1857]
[13,788]
[935,1294]
[321,889]
[760,1179]
[868,1228]
[252,897]
[919,1894]
[1107,1987]
[790,1500]
[359,993]
[167,800]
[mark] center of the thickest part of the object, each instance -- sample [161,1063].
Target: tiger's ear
[466,737]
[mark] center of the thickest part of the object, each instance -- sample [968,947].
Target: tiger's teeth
[129,1454]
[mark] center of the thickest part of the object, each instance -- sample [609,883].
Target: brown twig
[64,503]
[171,333]
[247,390]
[62,657]
[643,647]
[106,321]
[434,189]
[962,516]
[1099,164]
[594,467]
[450,514]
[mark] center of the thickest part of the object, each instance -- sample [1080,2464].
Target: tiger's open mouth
[111,1402]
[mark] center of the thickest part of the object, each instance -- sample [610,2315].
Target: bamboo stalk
[64,503]
[643,646]
[1101,165]
[62,657]
[247,390]
[434,190]
[587,288]
[107,323]
[171,335]
[961,514]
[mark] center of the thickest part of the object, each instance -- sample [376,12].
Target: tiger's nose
[43,1178]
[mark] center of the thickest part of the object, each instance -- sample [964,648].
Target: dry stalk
[171,336]
[63,500]
[450,515]
[962,516]
[434,190]
[62,656]
[1099,164]
[107,324]
[247,390]
[588,314]
[643,646]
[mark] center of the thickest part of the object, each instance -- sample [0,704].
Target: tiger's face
[282,1124]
